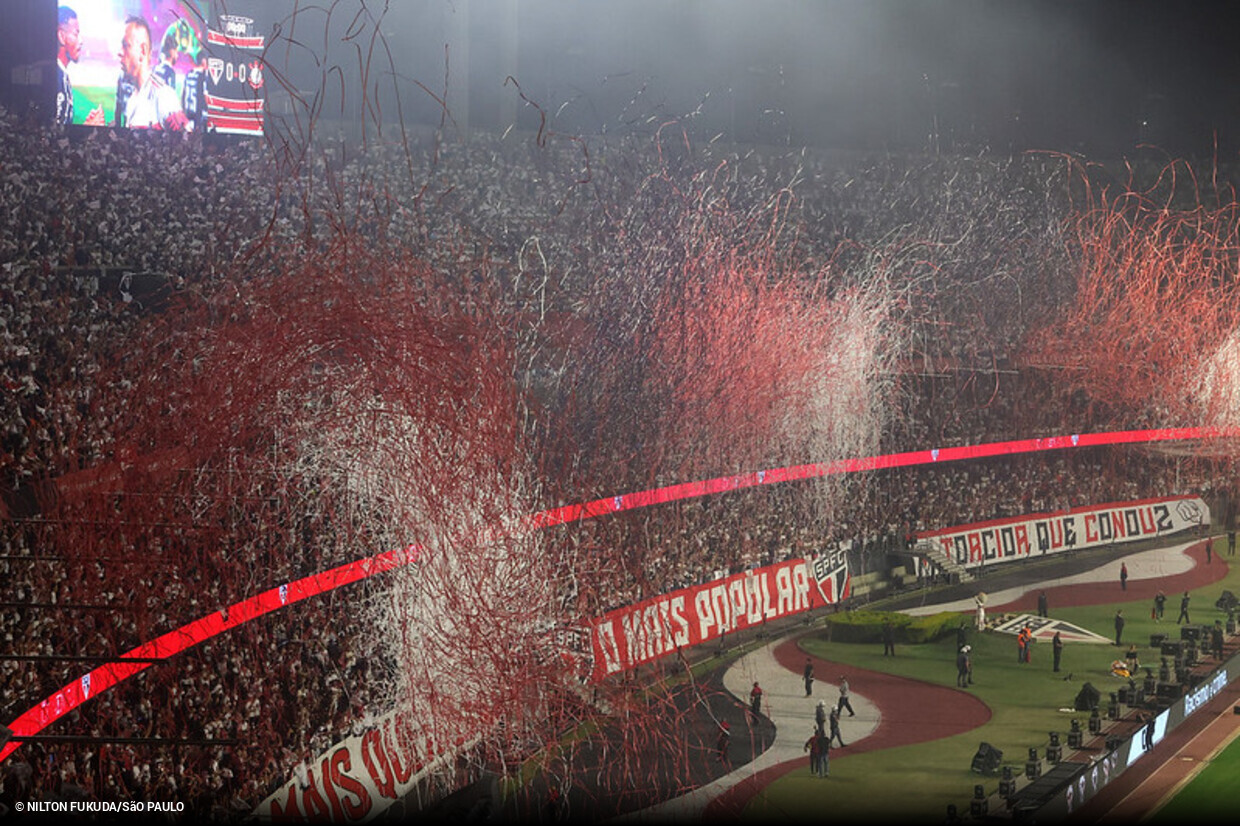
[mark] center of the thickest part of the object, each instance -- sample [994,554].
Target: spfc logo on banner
[831,574]
[1190,512]
[86,686]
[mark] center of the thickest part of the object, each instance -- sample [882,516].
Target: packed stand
[265,698]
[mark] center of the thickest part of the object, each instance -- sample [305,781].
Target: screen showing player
[172,65]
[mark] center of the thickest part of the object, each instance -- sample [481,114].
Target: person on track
[844,703]
[835,736]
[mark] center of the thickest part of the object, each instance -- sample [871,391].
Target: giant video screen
[172,65]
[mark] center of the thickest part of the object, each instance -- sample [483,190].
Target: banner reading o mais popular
[628,637]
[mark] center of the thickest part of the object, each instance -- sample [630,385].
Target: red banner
[628,637]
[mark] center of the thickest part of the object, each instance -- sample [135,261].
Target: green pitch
[1209,795]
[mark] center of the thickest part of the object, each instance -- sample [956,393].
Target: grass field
[1028,701]
[1209,796]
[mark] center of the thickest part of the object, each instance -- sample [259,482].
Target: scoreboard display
[235,99]
[172,65]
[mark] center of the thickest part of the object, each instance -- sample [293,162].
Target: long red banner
[628,637]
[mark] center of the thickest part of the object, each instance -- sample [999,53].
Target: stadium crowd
[247,709]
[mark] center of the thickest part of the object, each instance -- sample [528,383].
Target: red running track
[910,711]
[1098,593]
